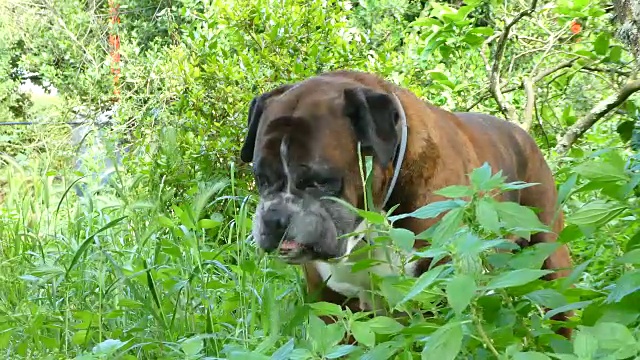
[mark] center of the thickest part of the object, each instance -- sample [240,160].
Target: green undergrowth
[119,274]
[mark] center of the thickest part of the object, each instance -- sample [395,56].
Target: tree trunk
[628,15]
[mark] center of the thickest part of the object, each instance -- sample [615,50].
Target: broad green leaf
[633,243]
[530,355]
[108,347]
[363,333]
[631,257]
[487,215]
[455,191]
[568,307]
[384,325]
[547,298]
[339,351]
[625,285]
[601,44]
[430,211]
[403,238]
[518,216]
[326,308]
[284,352]
[585,345]
[449,224]
[615,54]
[596,213]
[192,346]
[601,171]
[533,257]
[423,281]
[516,278]
[208,224]
[460,291]
[480,175]
[616,338]
[384,350]
[444,344]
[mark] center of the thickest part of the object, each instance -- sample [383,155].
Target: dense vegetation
[156,260]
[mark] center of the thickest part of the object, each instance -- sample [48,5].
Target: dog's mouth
[293,252]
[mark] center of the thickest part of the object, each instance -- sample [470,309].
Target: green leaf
[530,355]
[548,298]
[166,222]
[340,351]
[633,243]
[565,308]
[208,224]
[449,224]
[326,308]
[384,325]
[533,257]
[596,213]
[284,352]
[444,344]
[384,350]
[455,191]
[625,285]
[516,278]
[479,176]
[585,345]
[192,346]
[403,238]
[615,54]
[363,333]
[602,171]
[108,347]
[424,281]
[601,44]
[487,215]
[515,215]
[616,338]
[430,211]
[460,291]
[631,257]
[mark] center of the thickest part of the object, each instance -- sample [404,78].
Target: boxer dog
[303,139]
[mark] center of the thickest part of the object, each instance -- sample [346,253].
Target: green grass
[130,273]
[80,271]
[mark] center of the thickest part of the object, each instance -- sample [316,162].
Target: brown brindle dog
[303,140]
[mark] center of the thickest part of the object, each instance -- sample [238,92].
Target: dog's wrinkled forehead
[311,122]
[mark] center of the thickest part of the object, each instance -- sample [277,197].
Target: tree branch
[494,79]
[537,78]
[575,131]
[527,117]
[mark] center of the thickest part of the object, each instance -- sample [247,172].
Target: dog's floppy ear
[256,108]
[374,117]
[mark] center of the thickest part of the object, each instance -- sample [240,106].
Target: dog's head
[303,140]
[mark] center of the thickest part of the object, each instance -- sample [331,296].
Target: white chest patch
[341,279]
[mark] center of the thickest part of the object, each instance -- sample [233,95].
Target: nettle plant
[487,302]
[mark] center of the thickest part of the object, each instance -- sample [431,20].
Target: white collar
[402,149]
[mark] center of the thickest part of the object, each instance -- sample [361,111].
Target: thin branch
[575,131]
[543,74]
[527,117]
[608,70]
[537,78]
[494,79]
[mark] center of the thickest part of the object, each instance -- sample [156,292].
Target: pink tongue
[289,245]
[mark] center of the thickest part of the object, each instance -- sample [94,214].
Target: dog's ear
[374,117]
[256,108]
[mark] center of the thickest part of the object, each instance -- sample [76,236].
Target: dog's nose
[276,222]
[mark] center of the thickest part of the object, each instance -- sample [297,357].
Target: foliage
[158,262]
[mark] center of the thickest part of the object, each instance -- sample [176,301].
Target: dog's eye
[324,184]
